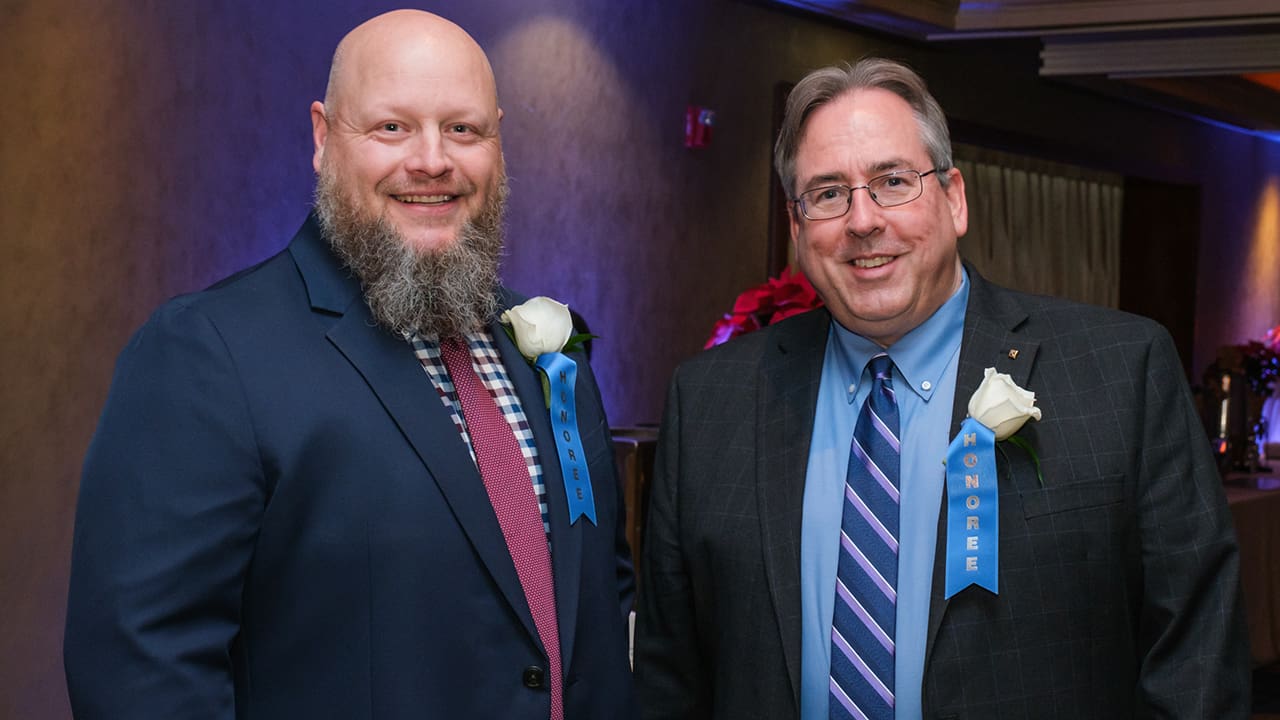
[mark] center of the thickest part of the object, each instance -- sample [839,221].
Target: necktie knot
[881,367]
[453,344]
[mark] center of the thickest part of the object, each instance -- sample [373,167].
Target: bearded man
[301,502]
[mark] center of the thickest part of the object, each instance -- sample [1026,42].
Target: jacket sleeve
[670,681]
[171,497]
[1194,658]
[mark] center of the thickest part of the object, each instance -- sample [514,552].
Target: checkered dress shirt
[488,365]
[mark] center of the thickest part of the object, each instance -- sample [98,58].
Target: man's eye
[892,181]
[391,127]
[829,194]
[460,129]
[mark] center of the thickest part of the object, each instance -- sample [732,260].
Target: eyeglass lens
[886,190]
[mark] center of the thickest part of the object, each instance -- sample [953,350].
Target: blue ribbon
[562,374]
[973,510]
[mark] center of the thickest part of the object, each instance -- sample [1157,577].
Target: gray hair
[826,84]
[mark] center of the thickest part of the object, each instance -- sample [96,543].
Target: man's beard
[443,292]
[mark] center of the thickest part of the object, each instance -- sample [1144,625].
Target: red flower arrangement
[1271,339]
[1257,360]
[777,299]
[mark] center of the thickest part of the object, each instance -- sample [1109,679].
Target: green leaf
[575,343]
[1008,466]
[1026,445]
[511,333]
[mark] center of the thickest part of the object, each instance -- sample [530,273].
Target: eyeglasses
[897,188]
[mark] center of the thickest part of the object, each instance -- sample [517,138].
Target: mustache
[456,187]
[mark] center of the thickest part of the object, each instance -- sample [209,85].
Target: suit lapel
[566,540]
[787,393]
[991,339]
[395,375]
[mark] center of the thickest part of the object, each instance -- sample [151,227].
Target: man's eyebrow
[886,166]
[875,170]
[832,178]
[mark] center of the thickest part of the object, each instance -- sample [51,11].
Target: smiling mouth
[424,199]
[874,262]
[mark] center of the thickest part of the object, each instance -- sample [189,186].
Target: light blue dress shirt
[925,361]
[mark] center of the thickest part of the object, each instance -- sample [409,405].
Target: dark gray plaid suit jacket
[1119,590]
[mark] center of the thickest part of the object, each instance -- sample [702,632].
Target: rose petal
[1001,405]
[541,325]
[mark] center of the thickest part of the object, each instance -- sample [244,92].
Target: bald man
[302,500]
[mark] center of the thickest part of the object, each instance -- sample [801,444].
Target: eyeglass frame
[798,201]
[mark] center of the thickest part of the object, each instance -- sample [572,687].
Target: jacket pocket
[1076,496]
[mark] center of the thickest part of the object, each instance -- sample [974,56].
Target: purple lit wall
[1239,296]
[150,148]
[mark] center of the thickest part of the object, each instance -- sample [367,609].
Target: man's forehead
[819,166]
[864,135]
[402,84]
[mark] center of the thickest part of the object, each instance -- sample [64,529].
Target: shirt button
[533,677]
[926,385]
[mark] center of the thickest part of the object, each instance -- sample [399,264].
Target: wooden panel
[633,449]
[1158,258]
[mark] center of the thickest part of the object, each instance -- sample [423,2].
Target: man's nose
[429,155]
[864,217]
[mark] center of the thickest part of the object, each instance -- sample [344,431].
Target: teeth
[424,199]
[871,262]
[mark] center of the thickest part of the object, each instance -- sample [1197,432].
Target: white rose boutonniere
[542,330]
[1001,405]
[539,325]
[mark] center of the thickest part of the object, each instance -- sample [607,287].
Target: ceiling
[1217,60]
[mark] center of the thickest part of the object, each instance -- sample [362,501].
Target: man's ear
[793,219]
[956,201]
[319,132]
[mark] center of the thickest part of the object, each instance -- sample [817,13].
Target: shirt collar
[921,356]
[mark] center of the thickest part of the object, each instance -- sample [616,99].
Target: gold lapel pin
[1013,354]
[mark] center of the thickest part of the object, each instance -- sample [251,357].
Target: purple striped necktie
[506,478]
[862,627]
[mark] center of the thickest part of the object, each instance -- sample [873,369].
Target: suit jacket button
[533,677]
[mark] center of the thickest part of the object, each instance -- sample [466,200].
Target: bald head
[385,41]
[408,132]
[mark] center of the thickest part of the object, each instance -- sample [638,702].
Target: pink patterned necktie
[506,479]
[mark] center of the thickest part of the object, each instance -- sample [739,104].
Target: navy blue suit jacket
[278,519]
